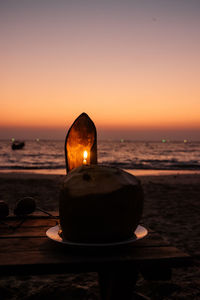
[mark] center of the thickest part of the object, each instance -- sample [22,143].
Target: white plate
[52,233]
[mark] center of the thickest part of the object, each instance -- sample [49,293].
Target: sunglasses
[23,207]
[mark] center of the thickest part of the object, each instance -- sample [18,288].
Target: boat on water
[16,145]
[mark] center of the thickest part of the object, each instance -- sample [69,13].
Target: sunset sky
[133,66]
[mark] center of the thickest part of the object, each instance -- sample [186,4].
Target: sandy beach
[171,208]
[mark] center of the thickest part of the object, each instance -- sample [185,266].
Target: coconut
[99,204]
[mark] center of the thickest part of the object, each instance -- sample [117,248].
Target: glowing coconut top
[81,143]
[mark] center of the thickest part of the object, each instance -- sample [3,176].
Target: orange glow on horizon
[118,118]
[113,106]
[109,126]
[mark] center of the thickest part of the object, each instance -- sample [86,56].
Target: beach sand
[172,208]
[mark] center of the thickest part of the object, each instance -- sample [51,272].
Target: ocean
[49,155]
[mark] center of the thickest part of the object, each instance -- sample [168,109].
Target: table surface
[27,250]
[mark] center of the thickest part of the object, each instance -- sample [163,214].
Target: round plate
[52,233]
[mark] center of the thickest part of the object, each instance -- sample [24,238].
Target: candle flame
[85,155]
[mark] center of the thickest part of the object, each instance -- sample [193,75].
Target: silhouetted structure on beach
[17,145]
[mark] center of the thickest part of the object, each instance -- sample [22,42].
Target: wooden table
[27,250]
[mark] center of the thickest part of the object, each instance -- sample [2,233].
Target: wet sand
[172,208]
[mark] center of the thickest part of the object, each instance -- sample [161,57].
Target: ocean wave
[122,165]
[39,167]
[157,166]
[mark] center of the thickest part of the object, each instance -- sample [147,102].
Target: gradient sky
[133,66]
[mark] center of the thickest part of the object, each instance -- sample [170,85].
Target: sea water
[50,155]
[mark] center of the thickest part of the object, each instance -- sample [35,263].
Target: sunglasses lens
[4,209]
[25,206]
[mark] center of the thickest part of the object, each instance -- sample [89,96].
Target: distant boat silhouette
[17,145]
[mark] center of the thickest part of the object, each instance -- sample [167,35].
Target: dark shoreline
[136,172]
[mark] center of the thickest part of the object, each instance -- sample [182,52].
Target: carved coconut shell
[100,204]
